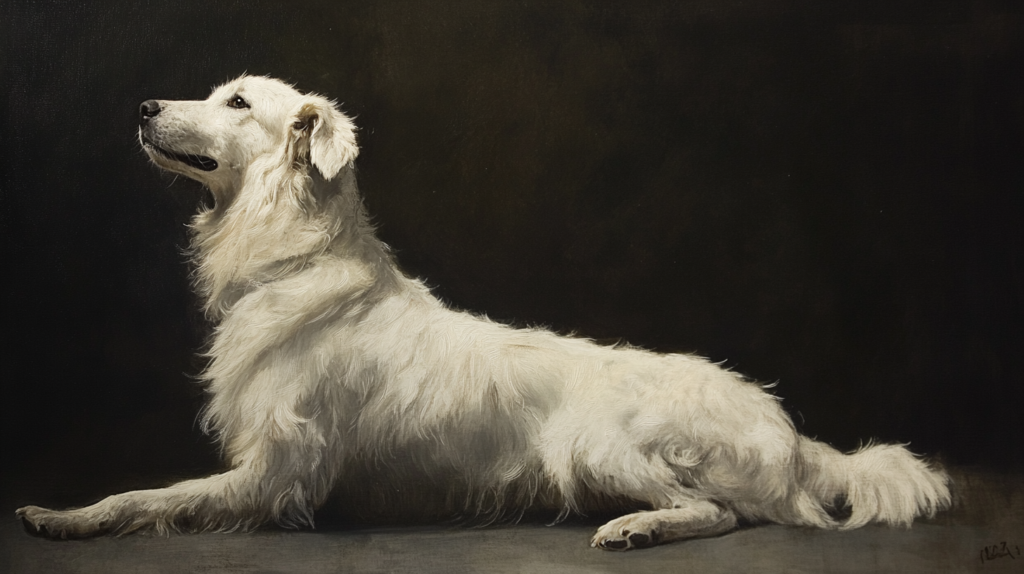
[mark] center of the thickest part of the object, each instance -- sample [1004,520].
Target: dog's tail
[878,483]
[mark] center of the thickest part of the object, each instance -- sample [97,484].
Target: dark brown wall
[825,194]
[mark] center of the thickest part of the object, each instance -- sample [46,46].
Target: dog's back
[328,364]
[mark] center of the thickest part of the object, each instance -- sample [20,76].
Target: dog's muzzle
[149,110]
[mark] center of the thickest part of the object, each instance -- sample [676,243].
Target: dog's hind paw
[619,535]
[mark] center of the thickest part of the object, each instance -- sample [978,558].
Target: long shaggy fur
[327,364]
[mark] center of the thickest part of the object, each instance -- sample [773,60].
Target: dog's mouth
[200,162]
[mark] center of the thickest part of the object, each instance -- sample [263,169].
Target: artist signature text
[1001,550]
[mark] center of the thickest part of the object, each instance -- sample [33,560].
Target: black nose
[148,109]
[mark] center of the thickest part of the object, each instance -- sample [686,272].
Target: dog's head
[215,140]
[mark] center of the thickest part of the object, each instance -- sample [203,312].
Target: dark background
[828,195]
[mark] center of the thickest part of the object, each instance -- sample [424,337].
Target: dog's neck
[257,239]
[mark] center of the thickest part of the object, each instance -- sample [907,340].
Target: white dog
[327,359]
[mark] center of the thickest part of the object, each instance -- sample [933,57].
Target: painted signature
[1001,550]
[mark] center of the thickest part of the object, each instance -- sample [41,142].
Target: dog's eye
[238,103]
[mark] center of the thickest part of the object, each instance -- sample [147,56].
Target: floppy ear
[330,136]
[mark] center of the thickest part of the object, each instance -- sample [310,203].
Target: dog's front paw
[626,533]
[33,519]
[55,524]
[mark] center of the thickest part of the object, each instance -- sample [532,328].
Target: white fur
[328,364]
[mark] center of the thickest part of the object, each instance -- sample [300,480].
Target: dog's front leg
[279,474]
[216,501]
[279,427]
[243,497]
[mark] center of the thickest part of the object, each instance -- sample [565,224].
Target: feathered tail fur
[878,483]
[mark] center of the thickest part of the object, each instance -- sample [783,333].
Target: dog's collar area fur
[200,162]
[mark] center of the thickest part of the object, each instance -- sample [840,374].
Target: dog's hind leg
[689,518]
[678,512]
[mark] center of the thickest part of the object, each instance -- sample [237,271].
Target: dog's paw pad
[640,540]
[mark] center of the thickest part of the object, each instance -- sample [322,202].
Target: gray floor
[989,511]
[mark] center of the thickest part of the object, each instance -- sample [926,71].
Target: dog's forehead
[253,87]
